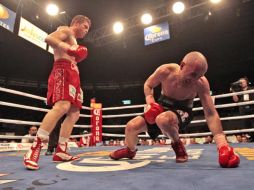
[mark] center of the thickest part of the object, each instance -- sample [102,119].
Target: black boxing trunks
[182,109]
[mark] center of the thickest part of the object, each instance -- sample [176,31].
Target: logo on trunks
[102,163]
[80,96]
[74,67]
[59,83]
[184,115]
[72,91]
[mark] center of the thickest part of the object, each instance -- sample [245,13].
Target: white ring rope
[119,135]
[11,121]
[124,107]
[120,115]
[122,135]
[121,107]
[32,137]
[194,109]
[227,105]
[22,94]
[230,94]
[227,118]
[113,126]
[31,108]
[229,132]
[195,99]
[234,93]
[20,122]
[31,95]
[23,106]
[196,121]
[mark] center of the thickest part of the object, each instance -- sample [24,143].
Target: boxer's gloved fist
[152,111]
[227,157]
[79,52]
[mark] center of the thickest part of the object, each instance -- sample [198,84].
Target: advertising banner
[156,33]
[96,122]
[32,33]
[7,18]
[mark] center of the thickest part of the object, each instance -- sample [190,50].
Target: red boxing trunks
[64,84]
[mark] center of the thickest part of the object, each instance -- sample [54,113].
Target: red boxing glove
[153,110]
[79,52]
[228,158]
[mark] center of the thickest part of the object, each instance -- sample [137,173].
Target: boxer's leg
[31,158]
[133,128]
[169,124]
[66,129]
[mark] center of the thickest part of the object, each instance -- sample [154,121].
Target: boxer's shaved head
[196,60]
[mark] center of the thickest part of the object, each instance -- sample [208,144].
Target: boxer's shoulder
[168,68]
[64,29]
[202,81]
[202,84]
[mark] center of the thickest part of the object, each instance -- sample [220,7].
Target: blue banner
[156,33]
[7,18]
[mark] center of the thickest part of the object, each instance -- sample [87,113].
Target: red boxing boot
[31,158]
[123,153]
[61,154]
[227,157]
[181,154]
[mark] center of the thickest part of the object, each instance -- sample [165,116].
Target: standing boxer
[64,92]
[180,85]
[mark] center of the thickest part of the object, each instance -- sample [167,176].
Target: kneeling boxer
[180,84]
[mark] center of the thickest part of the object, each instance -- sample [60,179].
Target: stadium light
[52,9]
[146,18]
[178,7]
[215,1]
[118,27]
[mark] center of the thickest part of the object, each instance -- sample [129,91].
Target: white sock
[43,134]
[63,140]
[62,143]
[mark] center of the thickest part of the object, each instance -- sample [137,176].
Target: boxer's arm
[227,158]
[211,115]
[57,38]
[154,80]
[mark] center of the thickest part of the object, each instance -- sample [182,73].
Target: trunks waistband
[60,61]
[185,104]
[67,64]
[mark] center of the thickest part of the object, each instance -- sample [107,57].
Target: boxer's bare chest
[71,40]
[58,54]
[173,89]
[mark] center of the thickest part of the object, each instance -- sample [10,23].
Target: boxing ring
[154,167]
